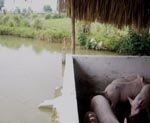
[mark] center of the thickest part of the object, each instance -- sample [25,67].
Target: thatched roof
[61,5]
[118,12]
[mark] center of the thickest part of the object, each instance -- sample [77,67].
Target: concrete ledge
[86,74]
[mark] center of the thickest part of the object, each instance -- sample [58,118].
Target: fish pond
[30,70]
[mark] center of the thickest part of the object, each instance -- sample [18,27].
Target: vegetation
[57,27]
[100,36]
[17,10]
[82,37]
[106,37]
[1,4]
[47,8]
[135,44]
[29,25]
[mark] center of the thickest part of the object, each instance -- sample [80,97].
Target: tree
[47,8]
[17,10]
[30,11]
[1,4]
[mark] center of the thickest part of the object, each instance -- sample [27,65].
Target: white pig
[142,101]
[121,89]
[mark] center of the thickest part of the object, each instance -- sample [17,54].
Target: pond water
[30,70]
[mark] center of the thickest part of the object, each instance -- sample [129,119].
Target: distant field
[54,27]
[35,26]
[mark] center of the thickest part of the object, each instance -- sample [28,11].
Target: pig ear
[130,100]
[141,101]
[140,77]
[125,120]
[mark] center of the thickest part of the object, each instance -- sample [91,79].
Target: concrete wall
[96,72]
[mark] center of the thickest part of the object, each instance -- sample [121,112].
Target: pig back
[131,89]
[102,109]
[125,79]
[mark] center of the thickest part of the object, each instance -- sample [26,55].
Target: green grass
[58,28]
[63,24]
[37,27]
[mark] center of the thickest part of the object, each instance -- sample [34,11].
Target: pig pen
[94,73]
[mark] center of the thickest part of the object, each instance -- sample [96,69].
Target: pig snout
[134,112]
[141,102]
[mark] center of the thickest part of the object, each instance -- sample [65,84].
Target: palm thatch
[117,12]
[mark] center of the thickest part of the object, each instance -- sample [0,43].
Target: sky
[36,5]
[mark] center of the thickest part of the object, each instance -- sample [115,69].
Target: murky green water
[30,70]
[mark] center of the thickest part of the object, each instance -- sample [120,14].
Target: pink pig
[142,101]
[121,89]
[102,109]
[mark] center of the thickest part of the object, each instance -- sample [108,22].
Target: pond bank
[25,32]
[39,46]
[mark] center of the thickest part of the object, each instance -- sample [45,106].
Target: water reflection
[27,77]
[39,46]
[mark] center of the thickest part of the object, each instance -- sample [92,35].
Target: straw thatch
[118,12]
[61,6]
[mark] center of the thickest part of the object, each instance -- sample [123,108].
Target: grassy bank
[54,27]
[35,26]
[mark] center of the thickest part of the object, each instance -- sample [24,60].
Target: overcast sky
[36,5]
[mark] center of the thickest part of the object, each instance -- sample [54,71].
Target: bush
[17,19]
[82,38]
[91,43]
[17,10]
[37,24]
[135,44]
[57,34]
[34,15]
[55,16]
[25,23]
[11,23]
[5,19]
[84,27]
[23,32]
[111,44]
[48,16]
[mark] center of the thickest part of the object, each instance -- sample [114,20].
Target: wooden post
[73,27]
